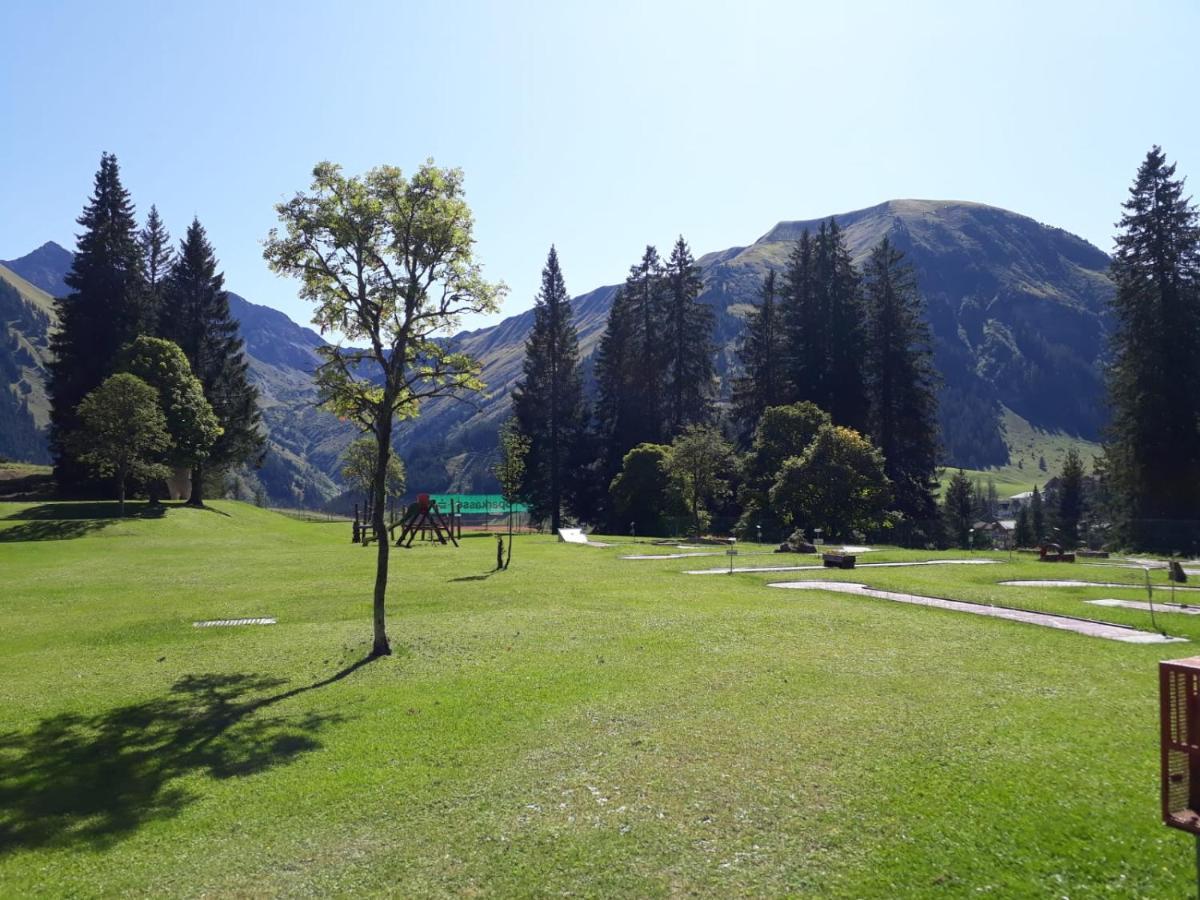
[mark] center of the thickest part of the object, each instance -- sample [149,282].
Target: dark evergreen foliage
[1037,516]
[108,306]
[763,351]
[901,381]
[1153,454]
[157,256]
[1070,499]
[196,316]
[548,401]
[689,378]
[958,509]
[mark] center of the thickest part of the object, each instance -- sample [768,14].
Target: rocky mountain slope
[1017,309]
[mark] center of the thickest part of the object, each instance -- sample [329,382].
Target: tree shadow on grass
[92,780]
[64,521]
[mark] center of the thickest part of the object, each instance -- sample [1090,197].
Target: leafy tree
[901,381]
[783,432]
[1153,452]
[359,464]
[958,509]
[1037,516]
[190,420]
[700,462]
[106,309]
[838,484]
[388,262]
[644,494]
[510,472]
[548,401]
[1070,498]
[196,316]
[1023,532]
[157,257]
[762,353]
[689,376]
[122,432]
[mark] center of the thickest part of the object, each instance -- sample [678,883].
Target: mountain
[1017,310]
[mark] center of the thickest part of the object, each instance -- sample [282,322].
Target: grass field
[580,724]
[1028,447]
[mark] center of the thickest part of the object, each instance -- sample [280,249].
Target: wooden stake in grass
[387,260]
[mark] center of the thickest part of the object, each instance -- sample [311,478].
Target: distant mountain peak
[44,267]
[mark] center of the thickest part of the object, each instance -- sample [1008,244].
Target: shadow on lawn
[94,779]
[64,521]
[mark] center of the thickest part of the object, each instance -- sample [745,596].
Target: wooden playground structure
[439,518]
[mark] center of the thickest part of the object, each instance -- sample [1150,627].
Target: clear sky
[600,127]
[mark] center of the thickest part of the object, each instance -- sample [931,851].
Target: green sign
[475,504]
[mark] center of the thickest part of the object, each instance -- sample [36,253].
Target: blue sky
[600,127]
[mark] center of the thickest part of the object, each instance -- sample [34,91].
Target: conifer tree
[902,382]
[105,310]
[616,384]
[958,509]
[762,354]
[157,257]
[1070,499]
[805,359]
[1023,532]
[1153,454]
[644,292]
[847,395]
[548,402]
[196,316]
[689,349]
[1037,516]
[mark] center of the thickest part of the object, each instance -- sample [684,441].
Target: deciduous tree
[388,262]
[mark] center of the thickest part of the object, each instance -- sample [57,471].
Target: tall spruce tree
[107,308]
[689,349]
[616,385]
[958,508]
[548,402]
[762,353]
[196,316]
[1069,506]
[901,381]
[157,257]
[1153,451]
[801,318]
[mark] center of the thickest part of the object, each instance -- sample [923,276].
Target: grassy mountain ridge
[1017,310]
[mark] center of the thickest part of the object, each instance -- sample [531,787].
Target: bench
[838,560]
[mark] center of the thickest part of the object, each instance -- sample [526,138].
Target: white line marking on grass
[220,623]
[1066,623]
[924,562]
[1158,607]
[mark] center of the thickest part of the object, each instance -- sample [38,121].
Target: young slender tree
[388,262]
[123,432]
[195,315]
[548,401]
[901,381]
[358,470]
[106,309]
[689,350]
[157,257]
[762,353]
[510,471]
[701,462]
[1153,451]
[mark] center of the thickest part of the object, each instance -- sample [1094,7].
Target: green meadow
[579,724]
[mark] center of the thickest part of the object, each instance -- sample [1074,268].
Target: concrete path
[1065,623]
[1133,586]
[925,562]
[672,555]
[1146,607]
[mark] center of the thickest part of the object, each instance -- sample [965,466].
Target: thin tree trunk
[197,495]
[383,438]
[121,494]
[508,558]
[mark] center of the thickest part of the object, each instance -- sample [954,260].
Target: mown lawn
[577,725]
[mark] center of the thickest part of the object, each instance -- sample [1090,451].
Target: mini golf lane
[822,567]
[1146,607]
[1072,583]
[1066,623]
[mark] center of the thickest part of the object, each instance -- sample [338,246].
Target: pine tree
[616,385]
[196,316]
[1070,499]
[644,292]
[689,352]
[762,354]
[1037,516]
[958,509]
[157,257]
[901,381]
[548,402]
[805,358]
[1023,532]
[847,395]
[1153,454]
[105,310]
